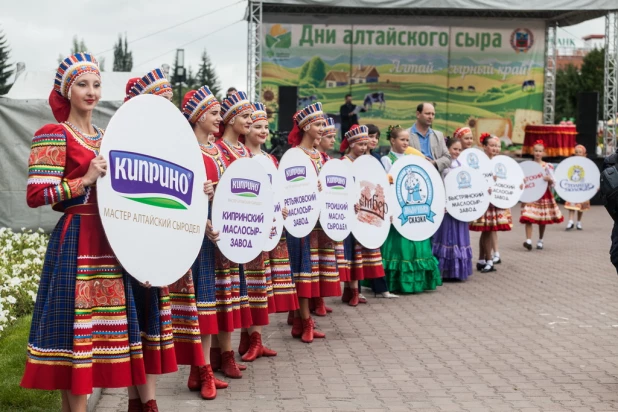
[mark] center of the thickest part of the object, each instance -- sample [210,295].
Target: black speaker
[288,97]
[587,121]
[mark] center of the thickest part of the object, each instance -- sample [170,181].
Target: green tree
[567,88]
[5,67]
[592,74]
[123,58]
[206,75]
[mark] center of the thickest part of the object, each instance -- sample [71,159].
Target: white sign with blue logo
[298,175]
[509,182]
[337,198]
[242,210]
[420,198]
[277,228]
[577,179]
[467,194]
[477,159]
[152,202]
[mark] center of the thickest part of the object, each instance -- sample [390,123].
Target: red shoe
[243,346]
[219,384]
[194,383]
[354,300]
[328,310]
[268,352]
[320,308]
[291,317]
[297,328]
[150,406]
[346,295]
[229,366]
[361,298]
[135,405]
[255,348]
[215,359]
[208,390]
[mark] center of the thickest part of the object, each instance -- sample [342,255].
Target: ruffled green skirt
[410,267]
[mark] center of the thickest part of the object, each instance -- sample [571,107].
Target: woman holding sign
[203,112]
[544,211]
[451,243]
[493,221]
[84,332]
[364,263]
[409,266]
[312,258]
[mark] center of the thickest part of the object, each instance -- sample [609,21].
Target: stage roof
[561,12]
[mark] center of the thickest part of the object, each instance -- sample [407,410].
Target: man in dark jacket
[348,116]
[610,161]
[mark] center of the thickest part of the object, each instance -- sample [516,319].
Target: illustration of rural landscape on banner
[488,78]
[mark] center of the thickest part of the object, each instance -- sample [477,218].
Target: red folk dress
[84,332]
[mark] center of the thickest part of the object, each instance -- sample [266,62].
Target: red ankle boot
[135,405]
[243,346]
[307,335]
[320,308]
[215,359]
[297,328]
[208,389]
[291,317]
[194,383]
[268,352]
[150,406]
[229,366]
[354,300]
[346,295]
[219,384]
[255,348]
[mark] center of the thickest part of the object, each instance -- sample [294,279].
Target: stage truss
[553,18]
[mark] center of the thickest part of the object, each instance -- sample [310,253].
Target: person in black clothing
[612,161]
[348,117]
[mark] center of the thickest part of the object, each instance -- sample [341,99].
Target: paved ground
[537,335]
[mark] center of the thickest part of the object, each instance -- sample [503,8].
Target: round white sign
[337,199]
[373,219]
[419,193]
[242,210]
[467,194]
[477,159]
[577,179]
[277,227]
[508,187]
[534,184]
[300,192]
[152,202]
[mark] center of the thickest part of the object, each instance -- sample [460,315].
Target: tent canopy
[561,12]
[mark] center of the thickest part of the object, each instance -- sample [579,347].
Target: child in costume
[580,208]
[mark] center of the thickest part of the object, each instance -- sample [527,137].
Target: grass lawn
[12,362]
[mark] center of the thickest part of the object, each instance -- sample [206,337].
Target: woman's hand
[495,178]
[284,213]
[209,189]
[146,284]
[319,186]
[213,235]
[548,179]
[356,208]
[98,167]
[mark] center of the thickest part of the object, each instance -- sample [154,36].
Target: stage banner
[489,77]
[151,201]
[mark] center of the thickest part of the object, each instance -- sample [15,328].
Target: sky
[38,31]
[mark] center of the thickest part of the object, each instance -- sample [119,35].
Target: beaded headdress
[197,102]
[154,82]
[259,112]
[458,134]
[330,128]
[309,114]
[357,134]
[71,69]
[234,105]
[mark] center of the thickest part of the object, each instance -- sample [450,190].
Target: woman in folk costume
[232,300]
[273,282]
[544,211]
[410,266]
[82,292]
[451,243]
[203,112]
[326,143]
[493,221]
[364,263]
[312,258]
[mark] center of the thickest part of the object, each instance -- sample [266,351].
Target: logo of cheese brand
[245,187]
[335,182]
[150,180]
[295,173]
